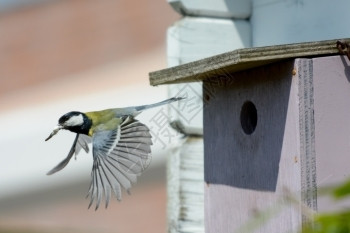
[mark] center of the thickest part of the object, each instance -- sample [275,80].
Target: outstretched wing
[80,141]
[120,155]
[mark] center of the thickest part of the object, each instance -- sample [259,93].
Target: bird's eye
[63,119]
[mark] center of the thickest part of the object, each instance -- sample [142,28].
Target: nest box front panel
[252,146]
[245,118]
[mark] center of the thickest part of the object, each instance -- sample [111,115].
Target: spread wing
[120,155]
[80,141]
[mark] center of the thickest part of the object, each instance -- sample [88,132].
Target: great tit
[121,147]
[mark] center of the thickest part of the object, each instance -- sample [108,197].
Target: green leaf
[342,191]
[330,223]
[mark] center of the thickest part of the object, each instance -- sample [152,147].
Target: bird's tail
[168,101]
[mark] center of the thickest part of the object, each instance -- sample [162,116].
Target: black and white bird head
[76,122]
[71,119]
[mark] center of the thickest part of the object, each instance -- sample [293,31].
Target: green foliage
[338,222]
[330,223]
[342,191]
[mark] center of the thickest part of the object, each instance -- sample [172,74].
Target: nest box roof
[239,60]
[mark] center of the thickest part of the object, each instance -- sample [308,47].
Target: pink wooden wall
[301,142]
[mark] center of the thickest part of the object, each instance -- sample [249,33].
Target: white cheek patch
[75,121]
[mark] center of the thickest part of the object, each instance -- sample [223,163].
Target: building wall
[49,40]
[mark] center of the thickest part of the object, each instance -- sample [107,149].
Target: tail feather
[168,101]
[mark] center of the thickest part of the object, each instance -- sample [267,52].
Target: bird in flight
[121,147]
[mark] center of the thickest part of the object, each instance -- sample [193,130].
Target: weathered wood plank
[308,183]
[185,187]
[241,59]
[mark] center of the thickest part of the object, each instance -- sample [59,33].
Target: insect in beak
[54,131]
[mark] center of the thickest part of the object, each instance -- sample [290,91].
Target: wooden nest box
[276,128]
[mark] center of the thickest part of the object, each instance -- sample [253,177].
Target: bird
[121,147]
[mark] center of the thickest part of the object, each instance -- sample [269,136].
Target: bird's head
[71,119]
[76,122]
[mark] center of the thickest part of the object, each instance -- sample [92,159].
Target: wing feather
[133,157]
[139,128]
[131,146]
[83,142]
[122,168]
[135,152]
[131,161]
[99,188]
[124,179]
[93,187]
[106,179]
[144,140]
[144,134]
[120,155]
[80,141]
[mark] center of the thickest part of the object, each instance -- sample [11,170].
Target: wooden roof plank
[240,59]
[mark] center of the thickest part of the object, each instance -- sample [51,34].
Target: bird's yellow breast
[103,120]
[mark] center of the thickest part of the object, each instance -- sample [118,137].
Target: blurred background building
[63,55]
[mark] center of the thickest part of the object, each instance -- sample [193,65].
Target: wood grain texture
[249,174]
[185,188]
[307,134]
[241,59]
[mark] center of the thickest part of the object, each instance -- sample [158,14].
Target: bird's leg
[344,48]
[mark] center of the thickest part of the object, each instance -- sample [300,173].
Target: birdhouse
[276,128]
